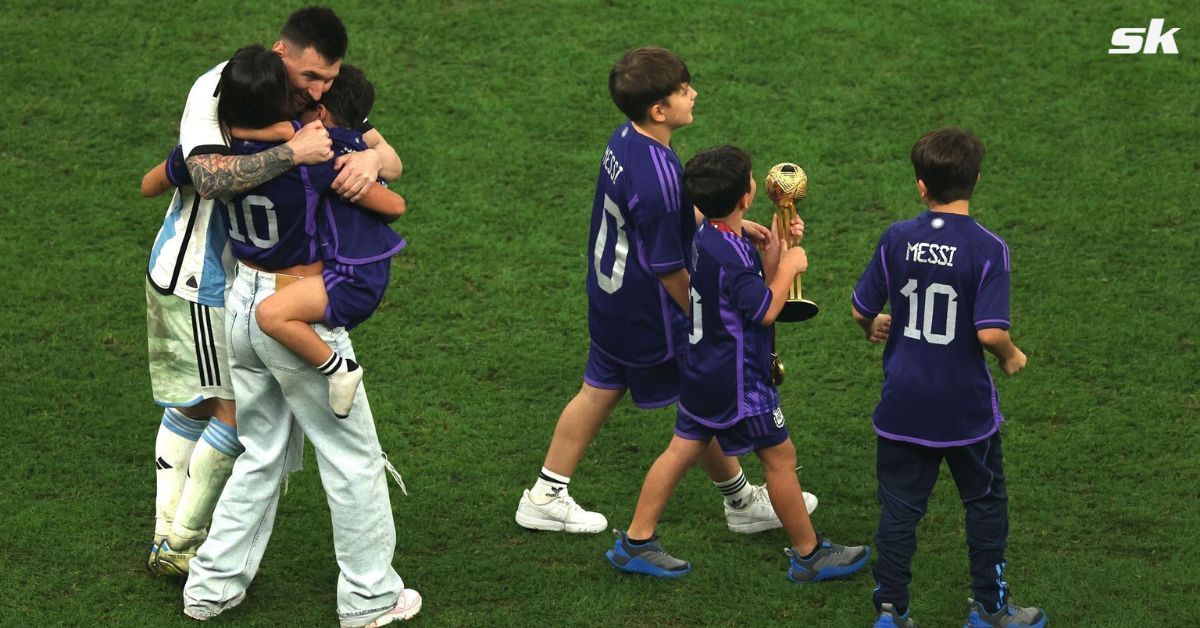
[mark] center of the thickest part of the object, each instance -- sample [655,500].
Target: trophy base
[796,311]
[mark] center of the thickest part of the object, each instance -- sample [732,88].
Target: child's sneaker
[758,515]
[168,562]
[1008,617]
[342,386]
[648,558]
[560,514]
[829,561]
[889,618]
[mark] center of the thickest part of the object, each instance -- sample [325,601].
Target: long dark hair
[254,90]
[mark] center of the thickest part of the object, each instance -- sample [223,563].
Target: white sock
[736,490]
[337,364]
[548,487]
[211,464]
[177,436]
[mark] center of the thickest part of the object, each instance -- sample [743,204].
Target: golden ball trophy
[787,183]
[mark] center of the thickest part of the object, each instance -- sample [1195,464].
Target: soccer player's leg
[638,550]
[548,505]
[288,315]
[189,372]
[210,467]
[906,474]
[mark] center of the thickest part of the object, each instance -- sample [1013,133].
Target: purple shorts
[749,434]
[650,386]
[354,291]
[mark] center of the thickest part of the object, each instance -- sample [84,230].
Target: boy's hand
[793,261]
[311,145]
[359,171]
[771,249]
[757,233]
[1014,363]
[797,229]
[881,325]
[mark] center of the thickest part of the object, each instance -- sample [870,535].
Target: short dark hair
[254,90]
[319,28]
[644,76]
[716,179]
[350,98]
[948,161]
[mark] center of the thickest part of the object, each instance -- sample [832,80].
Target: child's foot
[757,514]
[1008,616]
[889,618]
[559,514]
[645,558]
[829,561]
[342,386]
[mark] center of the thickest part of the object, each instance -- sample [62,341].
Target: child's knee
[269,315]
[781,457]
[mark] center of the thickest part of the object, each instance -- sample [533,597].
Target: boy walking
[948,280]
[637,284]
[726,390]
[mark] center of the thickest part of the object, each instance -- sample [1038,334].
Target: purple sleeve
[177,172]
[871,292]
[320,176]
[991,300]
[748,294]
[655,210]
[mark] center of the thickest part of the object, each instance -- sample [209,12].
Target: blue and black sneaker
[890,618]
[647,558]
[829,561]
[1009,616]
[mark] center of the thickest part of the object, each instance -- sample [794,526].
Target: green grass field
[500,112]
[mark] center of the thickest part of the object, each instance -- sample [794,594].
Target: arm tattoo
[225,175]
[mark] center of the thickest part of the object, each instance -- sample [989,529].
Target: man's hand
[881,325]
[358,172]
[1014,363]
[311,144]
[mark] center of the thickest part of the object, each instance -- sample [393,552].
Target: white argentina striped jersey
[191,257]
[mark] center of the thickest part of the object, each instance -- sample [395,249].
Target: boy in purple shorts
[726,389]
[938,400]
[637,282]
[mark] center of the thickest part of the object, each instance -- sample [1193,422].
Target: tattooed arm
[216,175]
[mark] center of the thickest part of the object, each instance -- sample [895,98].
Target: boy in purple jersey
[357,246]
[727,393]
[948,280]
[637,282]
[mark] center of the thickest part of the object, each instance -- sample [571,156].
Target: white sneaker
[759,515]
[406,607]
[560,514]
[342,386]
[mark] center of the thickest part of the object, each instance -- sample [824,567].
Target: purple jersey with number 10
[725,375]
[642,226]
[946,277]
[275,224]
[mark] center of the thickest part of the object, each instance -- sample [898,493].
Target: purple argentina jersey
[947,277]
[350,234]
[642,226]
[725,375]
[275,224]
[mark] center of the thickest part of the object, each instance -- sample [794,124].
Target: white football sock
[211,464]
[177,436]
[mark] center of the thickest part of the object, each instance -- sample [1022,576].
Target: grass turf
[500,112]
